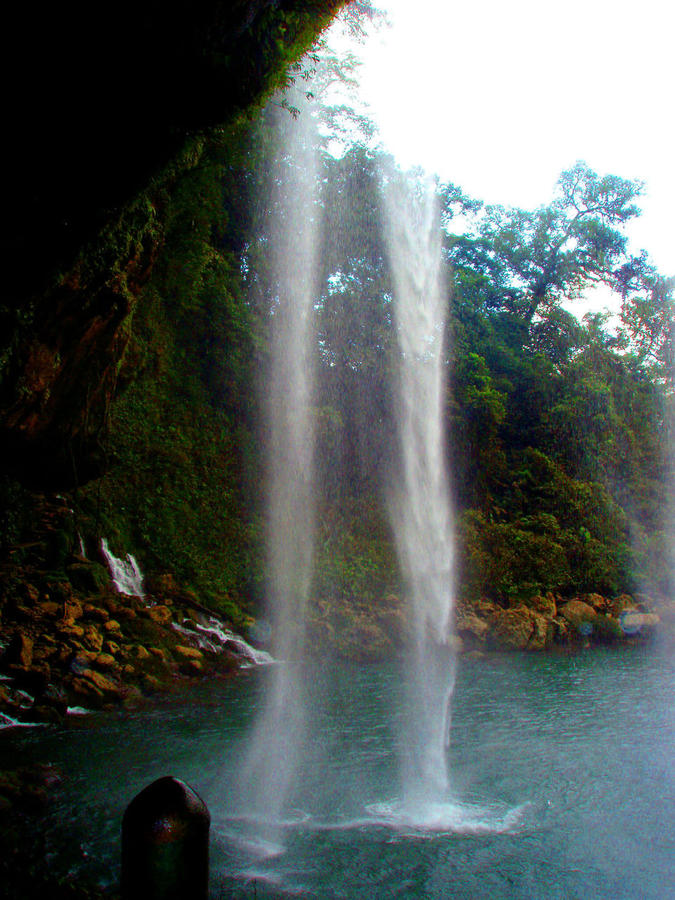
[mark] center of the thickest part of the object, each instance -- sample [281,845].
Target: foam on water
[446,817]
[8,722]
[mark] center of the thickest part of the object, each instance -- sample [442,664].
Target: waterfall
[420,507]
[278,735]
[125,573]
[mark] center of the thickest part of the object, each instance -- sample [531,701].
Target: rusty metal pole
[165,844]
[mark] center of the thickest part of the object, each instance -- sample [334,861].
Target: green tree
[536,259]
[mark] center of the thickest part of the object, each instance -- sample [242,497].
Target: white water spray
[277,741]
[125,573]
[420,507]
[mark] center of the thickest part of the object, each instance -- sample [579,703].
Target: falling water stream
[420,505]
[278,735]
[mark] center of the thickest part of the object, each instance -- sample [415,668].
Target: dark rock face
[103,99]
[104,94]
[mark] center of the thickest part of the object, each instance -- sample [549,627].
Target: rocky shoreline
[549,621]
[66,649]
[71,643]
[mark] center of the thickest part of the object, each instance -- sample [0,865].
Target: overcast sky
[499,97]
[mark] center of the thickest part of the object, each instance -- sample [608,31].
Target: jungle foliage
[556,427]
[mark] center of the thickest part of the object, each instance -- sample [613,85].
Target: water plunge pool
[562,775]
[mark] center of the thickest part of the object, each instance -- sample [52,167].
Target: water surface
[562,783]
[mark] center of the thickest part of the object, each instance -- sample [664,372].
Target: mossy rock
[606,629]
[89,577]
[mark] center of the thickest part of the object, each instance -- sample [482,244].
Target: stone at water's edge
[576,612]
[165,844]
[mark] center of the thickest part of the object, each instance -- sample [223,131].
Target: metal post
[165,844]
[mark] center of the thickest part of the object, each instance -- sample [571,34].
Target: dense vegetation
[556,428]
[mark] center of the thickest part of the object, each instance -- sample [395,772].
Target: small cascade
[213,637]
[125,573]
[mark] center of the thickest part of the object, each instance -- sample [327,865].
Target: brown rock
[92,638]
[620,604]
[192,667]
[32,593]
[151,684]
[469,623]
[86,689]
[105,661]
[45,650]
[72,610]
[188,652]
[20,650]
[111,647]
[48,608]
[542,632]
[512,628]
[596,601]
[545,605]
[96,612]
[101,682]
[485,609]
[577,612]
[67,629]
[112,627]
[125,612]
[162,615]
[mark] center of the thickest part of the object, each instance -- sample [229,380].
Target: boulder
[82,661]
[633,622]
[512,629]
[32,594]
[92,638]
[468,625]
[188,652]
[48,608]
[67,629]
[160,614]
[95,689]
[597,602]
[192,667]
[485,609]
[104,684]
[97,613]
[72,611]
[20,650]
[543,604]
[620,604]
[105,661]
[542,632]
[578,614]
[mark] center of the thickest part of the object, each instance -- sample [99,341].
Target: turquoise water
[562,768]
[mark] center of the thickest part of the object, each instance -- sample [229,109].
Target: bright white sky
[499,96]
